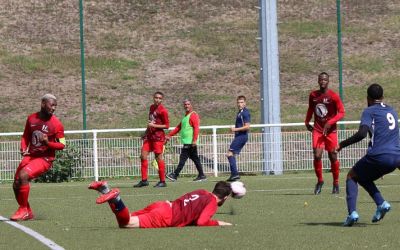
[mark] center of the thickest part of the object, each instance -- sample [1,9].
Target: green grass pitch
[278,212]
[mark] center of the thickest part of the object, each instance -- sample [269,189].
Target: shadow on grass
[333,224]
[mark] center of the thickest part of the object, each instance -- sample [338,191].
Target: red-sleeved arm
[340,111]
[194,121]
[205,217]
[59,143]
[165,118]
[56,145]
[176,130]
[25,139]
[310,111]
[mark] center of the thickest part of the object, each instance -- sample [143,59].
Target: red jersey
[34,127]
[157,115]
[194,121]
[194,208]
[326,107]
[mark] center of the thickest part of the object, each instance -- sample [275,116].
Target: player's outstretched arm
[361,134]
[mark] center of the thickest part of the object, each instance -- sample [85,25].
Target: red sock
[145,167]
[161,169]
[335,168]
[23,195]
[122,216]
[318,170]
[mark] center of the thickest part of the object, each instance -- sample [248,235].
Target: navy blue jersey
[242,117]
[382,121]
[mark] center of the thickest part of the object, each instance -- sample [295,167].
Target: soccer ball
[238,189]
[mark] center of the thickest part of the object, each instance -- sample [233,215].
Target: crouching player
[383,154]
[194,208]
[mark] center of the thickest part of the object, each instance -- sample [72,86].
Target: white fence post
[215,151]
[95,157]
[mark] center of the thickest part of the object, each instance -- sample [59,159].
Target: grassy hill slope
[205,50]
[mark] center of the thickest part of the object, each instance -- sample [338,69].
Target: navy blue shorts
[238,143]
[371,168]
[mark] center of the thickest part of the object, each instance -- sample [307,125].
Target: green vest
[186,132]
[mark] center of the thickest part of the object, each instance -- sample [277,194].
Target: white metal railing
[104,156]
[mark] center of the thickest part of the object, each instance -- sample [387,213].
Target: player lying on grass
[194,208]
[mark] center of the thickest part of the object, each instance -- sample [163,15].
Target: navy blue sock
[373,191]
[351,195]
[232,164]
[119,205]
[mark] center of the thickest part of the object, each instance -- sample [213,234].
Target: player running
[194,208]
[383,154]
[328,109]
[43,135]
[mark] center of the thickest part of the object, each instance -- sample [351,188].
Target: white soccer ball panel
[238,189]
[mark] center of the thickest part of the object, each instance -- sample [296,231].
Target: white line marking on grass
[81,197]
[49,243]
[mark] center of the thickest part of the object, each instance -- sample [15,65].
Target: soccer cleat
[351,219]
[335,189]
[160,184]
[171,176]
[141,184]
[233,178]
[200,178]
[22,214]
[318,187]
[381,210]
[97,185]
[108,196]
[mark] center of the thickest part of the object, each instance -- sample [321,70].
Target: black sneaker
[171,176]
[233,178]
[335,189]
[200,178]
[160,184]
[141,184]
[318,188]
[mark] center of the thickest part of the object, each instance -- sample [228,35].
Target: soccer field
[278,212]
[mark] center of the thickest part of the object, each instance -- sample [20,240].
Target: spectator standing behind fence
[153,140]
[328,109]
[189,129]
[43,135]
[241,130]
[383,154]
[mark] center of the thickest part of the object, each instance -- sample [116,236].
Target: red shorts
[153,146]
[155,215]
[329,142]
[34,166]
